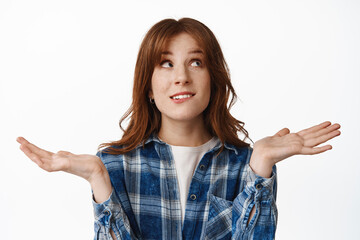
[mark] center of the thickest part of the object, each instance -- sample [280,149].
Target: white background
[66,71]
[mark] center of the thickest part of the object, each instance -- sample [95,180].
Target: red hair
[145,118]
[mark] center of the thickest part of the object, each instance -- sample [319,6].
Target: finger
[33,157]
[44,163]
[312,151]
[321,139]
[314,128]
[282,132]
[33,148]
[323,131]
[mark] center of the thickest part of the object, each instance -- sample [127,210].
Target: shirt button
[106,212]
[258,186]
[202,167]
[193,196]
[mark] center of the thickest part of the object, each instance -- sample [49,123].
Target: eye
[196,63]
[166,64]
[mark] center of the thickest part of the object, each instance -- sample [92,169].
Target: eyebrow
[195,51]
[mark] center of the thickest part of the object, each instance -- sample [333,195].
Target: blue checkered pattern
[145,198]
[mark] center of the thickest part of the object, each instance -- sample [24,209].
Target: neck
[183,133]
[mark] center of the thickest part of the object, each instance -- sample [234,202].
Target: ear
[150,95]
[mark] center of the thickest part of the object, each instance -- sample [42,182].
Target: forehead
[183,42]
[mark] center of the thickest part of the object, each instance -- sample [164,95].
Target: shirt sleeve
[259,193]
[110,215]
[228,219]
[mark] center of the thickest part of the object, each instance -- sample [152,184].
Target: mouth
[182,96]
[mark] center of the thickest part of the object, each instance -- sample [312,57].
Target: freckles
[160,89]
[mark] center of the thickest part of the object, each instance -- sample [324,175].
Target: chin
[186,116]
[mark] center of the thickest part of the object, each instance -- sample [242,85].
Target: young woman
[180,170]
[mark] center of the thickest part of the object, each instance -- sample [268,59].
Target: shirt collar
[154,138]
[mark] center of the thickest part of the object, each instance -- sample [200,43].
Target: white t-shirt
[186,160]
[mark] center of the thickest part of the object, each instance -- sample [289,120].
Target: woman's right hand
[83,165]
[89,167]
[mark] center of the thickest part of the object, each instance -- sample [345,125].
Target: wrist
[101,186]
[98,174]
[260,165]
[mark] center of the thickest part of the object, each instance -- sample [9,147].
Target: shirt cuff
[262,187]
[103,211]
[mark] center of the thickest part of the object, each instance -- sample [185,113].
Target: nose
[182,76]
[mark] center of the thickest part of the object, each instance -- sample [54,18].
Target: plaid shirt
[145,198]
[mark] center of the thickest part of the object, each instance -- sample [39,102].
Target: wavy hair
[145,118]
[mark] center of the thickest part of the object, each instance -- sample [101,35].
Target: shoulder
[239,154]
[112,158]
[108,158]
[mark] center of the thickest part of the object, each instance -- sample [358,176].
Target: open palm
[285,144]
[82,165]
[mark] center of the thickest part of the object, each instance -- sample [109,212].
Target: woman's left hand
[271,150]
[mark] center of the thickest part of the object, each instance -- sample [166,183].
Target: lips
[182,93]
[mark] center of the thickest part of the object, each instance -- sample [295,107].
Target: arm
[101,188]
[86,166]
[253,213]
[231,219]
[111,221]
[113,234]
[263,171]
[271,150]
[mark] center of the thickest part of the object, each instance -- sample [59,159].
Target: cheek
[159,91]
[157,85]
[161,96]
[154,87]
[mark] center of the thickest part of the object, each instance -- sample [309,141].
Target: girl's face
[180,84]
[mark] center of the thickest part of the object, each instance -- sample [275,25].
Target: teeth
[181,96]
